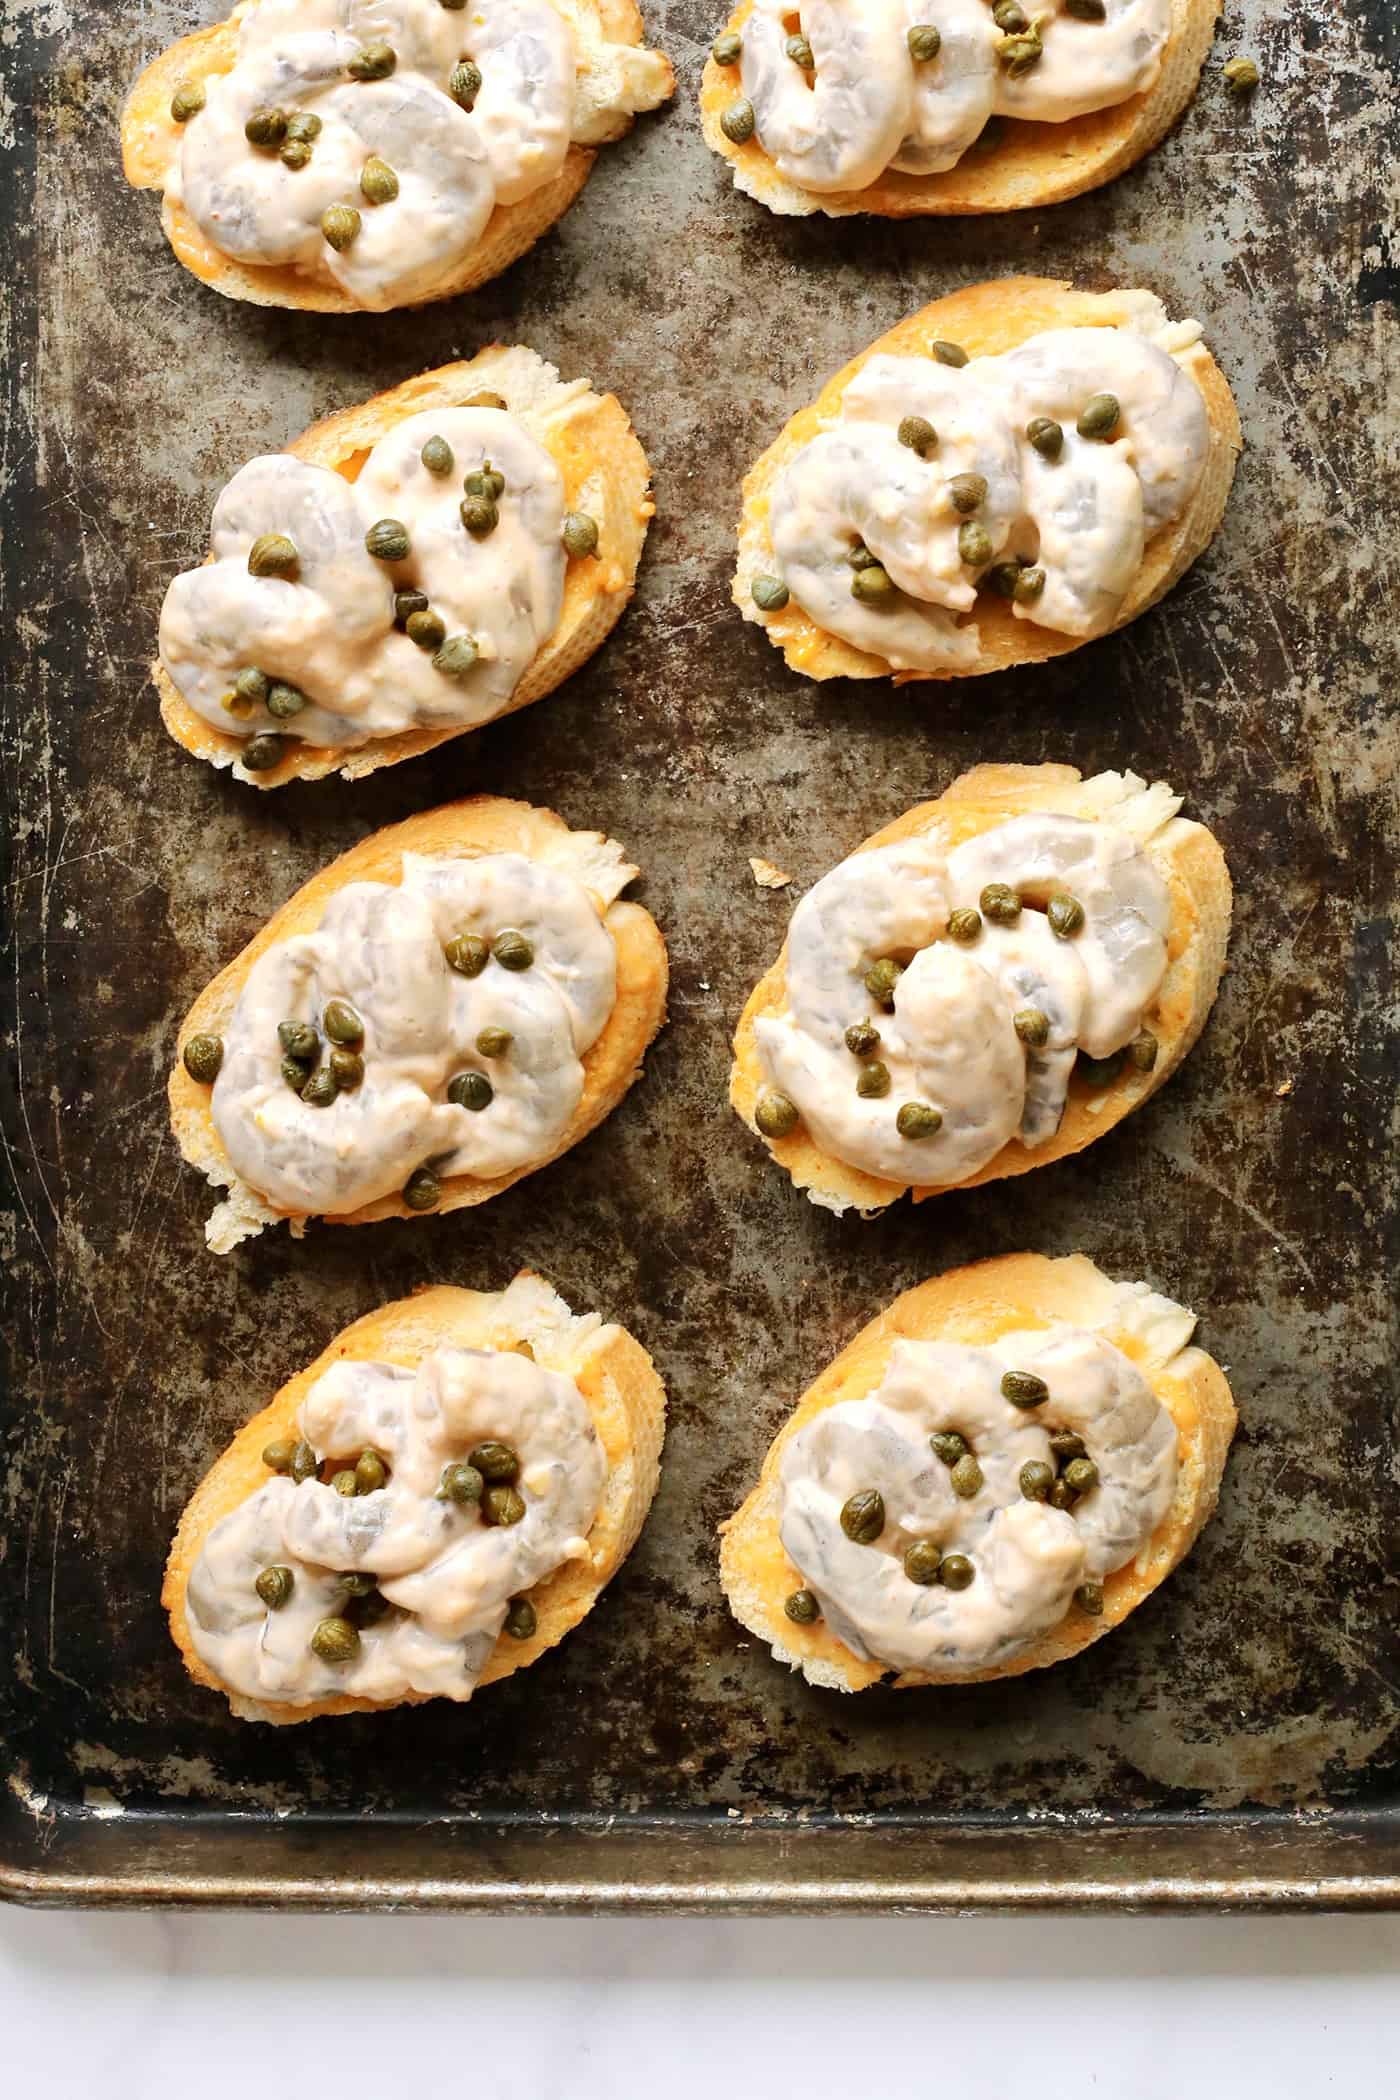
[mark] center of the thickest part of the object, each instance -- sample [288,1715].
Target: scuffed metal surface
[1265,1674]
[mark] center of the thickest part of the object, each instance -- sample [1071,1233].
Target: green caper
[1000,903]
[425,630]
[1024,1389]
[253,685]
[261,753]
[1065,1444]
[497,1462]
[1036,1480]
[1066,915]
[918,1119]
[344,1482]
[485,480]
[187,101]
[511,950]
[1032,1026]
[800,52]
[873,1080]
[422,1190]
[321,1088]
[1062,1495]
[275,1586]
[727,48]
[335,1641]
[774,1114]
[456,656]
[967,491]
[964,924]
[294,154]
[272,554]
[347,1070]
[464,83]
[974,545]
[872,586]
[278,1455]
[1009,17]
[925,42]
[1081,1474]
[863,1516]
[304,1463]
[1099,416]
[769,593]
[295,1073]
[1142,1051]
[406,604]
[502,1505]
[284,701]
[965,1479]
[388,540]
[1003,577]
[299,1039]
[471,1090]
[881,979]
[494,1042]
[375,61]
[454,7]
[304,125]
[1019,53]
[922,1562]
[480,516]
[802,1607]
[202,1057]
[520,1621]
[1241,76]
[948,1445]
[956,1571]
[737,122]
[1047,437]
[467,954]
[341,1022]
[862,1037]
[1089,1598]
[860,557]
[370,1472]
[266,127]
[378,182]
[437,456]
[918,434]
[1086,10]
[948,353]
[580,534]
[339,225]
[1100,1071]
[461,1484]
[1029,585]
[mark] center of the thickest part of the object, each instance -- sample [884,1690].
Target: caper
[918,1119]
[471,1090]
[354,1584]
[274,1586]
[974,545]
[1037,1479]
[1089,1598]
[494,1042]
[1062,1495]
[1009,17]
[422,1190]
[1081,1474]
[339,225]
[956,1571]
[520,1621]
[335,1641]
[1032,1026]
[454,7]
[502,1505]
[273,554]
[460,1483]
[922,1562]
[737,121]
[948,353]
[580,534]
[266,127]
[1019,53]
[1066,915]
[406,604]
[294,154]
[860,557]
[378,182]
[425,630]
[1003,577]
[1024,1389]
[374,61]
[727,48]
[1000,903]
[800,52]
[299,1039]
[1029,585]
[253,685]
[496,1462]
[456,656]
[347,1070]
[511,950]
[966,1478]
[774,1114]
[187,101]
[802,1607]
[295,1073]
[278,1455]
[480,516]
[304,125]
[304,1463]
[437,456]
[872,586]
[485,399]
[1100,1071]
[863,1516]
[284,701]
[967,491]
[948,1445]
[487,481]
[1065,1444]
[370,1472]
[1086,10]
[202,1057]
[925,42]
[321,1088]
[1142,1051]
[467,954]
[918,434]
[344,1482]
[261,753]
[1241,76]
[873,1080]
[1098,416]
[964,924]
[769,593]
[464,83]
[862,1037]
[341,1022]
[881,979]
[388,540]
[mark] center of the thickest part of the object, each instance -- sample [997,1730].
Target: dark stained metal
[1236,1742]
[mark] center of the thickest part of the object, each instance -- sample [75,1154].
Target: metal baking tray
[1236,1742]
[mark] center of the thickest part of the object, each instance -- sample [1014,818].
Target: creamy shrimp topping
[944,1525]
[429,1028]
[326,1583]
[842,90]
[937,999]
[366,143]
[1041,474]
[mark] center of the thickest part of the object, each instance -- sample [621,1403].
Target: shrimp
[839,128]
[954,93]
[1086,66]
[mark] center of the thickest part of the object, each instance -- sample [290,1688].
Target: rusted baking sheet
[1236,1742]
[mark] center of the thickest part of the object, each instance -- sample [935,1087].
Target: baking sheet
[1236,1741]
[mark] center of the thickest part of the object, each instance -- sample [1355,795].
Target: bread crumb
[766,875]
[1281,1091]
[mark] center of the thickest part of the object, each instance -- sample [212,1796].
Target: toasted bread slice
[613,1372]
[482,824]
[1185,855]
[605,474]
[987,319]
[1019,167]
[975,1306]
[619,80]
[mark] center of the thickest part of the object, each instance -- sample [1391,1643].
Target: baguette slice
[621,79]
[1185,855]
[974,1306]
[1022,166]
[605,473]
[988,319]
[481,824]
[613,1372]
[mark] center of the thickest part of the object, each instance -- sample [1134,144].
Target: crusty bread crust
[150,138]
[481,824]
[976,1305]
[986,319]
[1024,165]
[625,1397]
[1198,881]
[605,473]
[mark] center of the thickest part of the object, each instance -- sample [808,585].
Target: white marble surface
[218,2008]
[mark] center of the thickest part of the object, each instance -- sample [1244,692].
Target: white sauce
[951,1041]
[380,948]
[1027,1558]
[1083,518]
[329,631]
[868,105]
